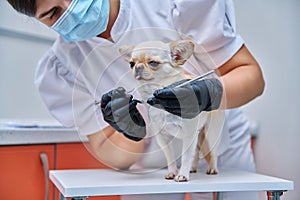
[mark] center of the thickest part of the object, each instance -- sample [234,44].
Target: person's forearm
[242,79]
[115,150]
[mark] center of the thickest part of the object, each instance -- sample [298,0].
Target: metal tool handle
[45,163]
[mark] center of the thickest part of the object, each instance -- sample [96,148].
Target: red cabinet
[22,174]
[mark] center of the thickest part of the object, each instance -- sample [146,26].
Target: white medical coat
[71,76]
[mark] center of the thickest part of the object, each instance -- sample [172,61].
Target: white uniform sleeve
[55,84]
[211,24]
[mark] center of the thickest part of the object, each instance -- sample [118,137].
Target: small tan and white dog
[155,65]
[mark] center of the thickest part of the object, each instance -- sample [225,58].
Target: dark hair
[27,7]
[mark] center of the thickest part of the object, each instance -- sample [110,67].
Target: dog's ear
[181,51]
[126,52]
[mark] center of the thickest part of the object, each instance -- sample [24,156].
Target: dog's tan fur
[155,65]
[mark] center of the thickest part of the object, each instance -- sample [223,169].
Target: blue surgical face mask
[83,20]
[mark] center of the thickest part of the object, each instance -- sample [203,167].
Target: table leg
[274,195]
[219,196]
[61,197]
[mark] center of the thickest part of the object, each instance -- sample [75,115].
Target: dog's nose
[140,66]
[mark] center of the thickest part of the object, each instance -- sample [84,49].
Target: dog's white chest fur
[162,122]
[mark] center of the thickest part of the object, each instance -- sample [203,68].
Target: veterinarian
[69,89]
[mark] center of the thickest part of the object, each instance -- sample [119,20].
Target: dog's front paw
[181,178]
[170,176]
[212,171]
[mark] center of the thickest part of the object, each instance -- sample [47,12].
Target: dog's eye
[131,64]
[153,63]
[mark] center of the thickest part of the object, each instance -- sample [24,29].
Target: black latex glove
[189,100]
[119,110]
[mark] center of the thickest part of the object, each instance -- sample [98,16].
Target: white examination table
[80,184]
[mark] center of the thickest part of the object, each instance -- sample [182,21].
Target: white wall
[22,42]
[271,29]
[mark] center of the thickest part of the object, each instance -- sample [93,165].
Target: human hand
[119,110]
[189,100]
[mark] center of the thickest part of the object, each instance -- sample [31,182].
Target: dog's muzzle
[138,72]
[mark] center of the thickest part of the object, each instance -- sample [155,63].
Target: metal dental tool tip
[196,78]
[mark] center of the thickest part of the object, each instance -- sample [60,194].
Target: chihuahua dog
[156,65]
